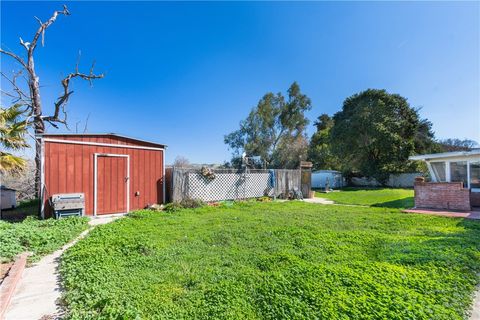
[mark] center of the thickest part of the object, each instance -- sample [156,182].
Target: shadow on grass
[398,204]
[24,209]
[457,251]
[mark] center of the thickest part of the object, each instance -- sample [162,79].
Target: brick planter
[7,288]
[475,199]
[442,195]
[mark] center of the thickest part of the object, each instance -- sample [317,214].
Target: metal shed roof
[101,134]
[2,187]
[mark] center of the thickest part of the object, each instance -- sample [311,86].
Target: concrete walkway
[475,315]
[38,294]
[318,200]
[327,201]
[453,214]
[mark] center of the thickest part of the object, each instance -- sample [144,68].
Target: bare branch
[85,128]
[38,19]
[63,99]
[21,95]
[14,56]
[44,26]
[78,60]
[43,32]
[24,44]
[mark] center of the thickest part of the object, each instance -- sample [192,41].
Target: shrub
[184,204]
[172,207]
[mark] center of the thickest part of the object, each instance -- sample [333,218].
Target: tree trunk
[39,127]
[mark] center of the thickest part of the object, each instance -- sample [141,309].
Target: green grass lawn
[37,236]
[391,198]
[274,261]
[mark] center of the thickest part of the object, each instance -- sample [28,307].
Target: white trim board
[102,144]
[164,178]
[42,177]
[95,178]
[110,134]
[447,155]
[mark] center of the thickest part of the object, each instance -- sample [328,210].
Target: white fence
[230,184]
[402,180]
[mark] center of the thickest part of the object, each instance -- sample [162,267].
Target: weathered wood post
[306,178]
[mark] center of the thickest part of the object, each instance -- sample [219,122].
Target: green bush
[37,236]
[183,204]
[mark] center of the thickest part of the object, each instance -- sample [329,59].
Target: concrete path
[38,294]
[327,201]
[475,312]
[318,200]
[453,214]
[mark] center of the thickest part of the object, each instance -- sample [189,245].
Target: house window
[439,171]
[475,174]
[458,172]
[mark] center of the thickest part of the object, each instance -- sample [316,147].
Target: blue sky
[185,73]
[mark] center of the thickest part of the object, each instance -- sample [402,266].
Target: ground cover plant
[377,197]
[271,260]
[37,236]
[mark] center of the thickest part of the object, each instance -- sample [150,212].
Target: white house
[454,177]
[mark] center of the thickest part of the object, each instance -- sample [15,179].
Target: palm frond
[12,128]
[10,163]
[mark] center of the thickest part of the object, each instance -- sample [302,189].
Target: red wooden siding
[69,168]
[111,184]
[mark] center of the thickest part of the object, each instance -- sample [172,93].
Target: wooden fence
[230,184]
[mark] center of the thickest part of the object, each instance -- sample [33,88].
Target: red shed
[117,174]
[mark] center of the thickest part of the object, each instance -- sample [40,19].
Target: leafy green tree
[12,137]
[376,132]
[319,151]
[274,130]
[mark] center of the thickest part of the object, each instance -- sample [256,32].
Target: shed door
[112,184]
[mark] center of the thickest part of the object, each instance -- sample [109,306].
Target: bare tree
[23,182]
[181,162]
[30,98]
[448,145]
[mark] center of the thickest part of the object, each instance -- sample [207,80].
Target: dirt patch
[4,268]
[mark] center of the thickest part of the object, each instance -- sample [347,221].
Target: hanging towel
[272,178]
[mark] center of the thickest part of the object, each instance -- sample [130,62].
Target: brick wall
[475,199]
[442,195]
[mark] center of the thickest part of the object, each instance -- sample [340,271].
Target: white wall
[7,199]
[319,179]
[402,180]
